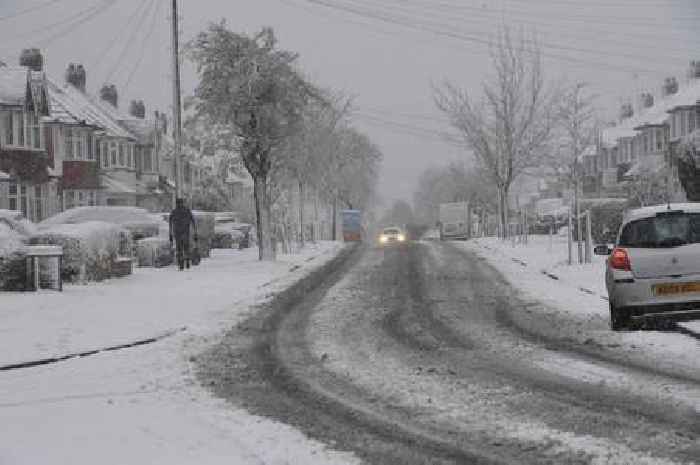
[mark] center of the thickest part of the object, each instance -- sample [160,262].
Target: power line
[430,18]
[75,17]
[77,23]
[463,37]
[481,15]
[29,10]
[143,49]
[129,42]
[114,40]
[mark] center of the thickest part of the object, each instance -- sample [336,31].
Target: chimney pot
[137,109]
[670,86]
[75,75]
[32,59]
[108,93]
[626,111]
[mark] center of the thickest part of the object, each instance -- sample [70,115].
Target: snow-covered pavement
[575,302]
[141,404]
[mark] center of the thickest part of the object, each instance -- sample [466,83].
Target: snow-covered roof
[70,105]
[647,212]
[13,85]
[686,96]
[4,176]
[655,115]
[142,129]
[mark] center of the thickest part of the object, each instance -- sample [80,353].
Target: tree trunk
[335,215]
[301,214]
[263,218]
[503,210]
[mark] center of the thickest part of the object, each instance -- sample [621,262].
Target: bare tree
[508,129]
[578,134]
[249,86]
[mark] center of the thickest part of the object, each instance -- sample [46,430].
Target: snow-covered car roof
[16,221]
[116,215]
[648,212]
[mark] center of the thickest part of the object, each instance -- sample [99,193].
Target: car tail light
[620,260]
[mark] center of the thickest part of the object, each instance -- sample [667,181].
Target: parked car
[138,221]
[653,270]
[226,236]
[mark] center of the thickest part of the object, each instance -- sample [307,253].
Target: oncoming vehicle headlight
[383,238]
[401,238]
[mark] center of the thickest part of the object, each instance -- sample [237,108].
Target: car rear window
[664,230]
[391,231]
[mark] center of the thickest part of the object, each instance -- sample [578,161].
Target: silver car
[653,272]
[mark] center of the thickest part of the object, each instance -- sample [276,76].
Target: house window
[12,196]
[645,139]
[68,139]
[9,133]
[682,123]
[34,131]
[88,147]
[113,153]
[147,160]
[19,120]
[122,156]
[659,139]
[23,199]
[131,155]
[691,121]
[37,202]
[105,154]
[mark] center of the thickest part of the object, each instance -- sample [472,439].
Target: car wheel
[619,319]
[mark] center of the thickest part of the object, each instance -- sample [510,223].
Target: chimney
[694,71]
[626,111]
[108,93]
[647,100]
[75,76]
[670,86]
[137,109]
[32,59]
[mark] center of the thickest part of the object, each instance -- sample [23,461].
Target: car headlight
[401,238]
[383,239]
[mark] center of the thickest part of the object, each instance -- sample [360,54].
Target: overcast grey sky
[386,53]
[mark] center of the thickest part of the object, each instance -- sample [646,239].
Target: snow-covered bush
[206,223]
[606,218]
[89,248]
[154,251]
[13,266]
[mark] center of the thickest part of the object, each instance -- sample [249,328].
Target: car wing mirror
[602,250]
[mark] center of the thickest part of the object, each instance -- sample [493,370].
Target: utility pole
[177,111]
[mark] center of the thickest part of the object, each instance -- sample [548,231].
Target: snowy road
[412,355]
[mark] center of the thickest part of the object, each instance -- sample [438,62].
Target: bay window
[122,155]
[113,152]
[691,121]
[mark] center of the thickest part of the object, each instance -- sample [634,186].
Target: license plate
[675,288]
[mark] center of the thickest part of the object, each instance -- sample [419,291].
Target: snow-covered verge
[142,404]
[569,303]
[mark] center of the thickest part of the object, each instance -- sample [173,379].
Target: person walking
[180,220]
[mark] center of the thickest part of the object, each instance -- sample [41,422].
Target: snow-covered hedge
[13,266]
[89,249]
[154,251]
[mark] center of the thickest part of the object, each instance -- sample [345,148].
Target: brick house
[28,180]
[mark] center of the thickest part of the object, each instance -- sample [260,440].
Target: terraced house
[648,141]
[28,180]
[61,147]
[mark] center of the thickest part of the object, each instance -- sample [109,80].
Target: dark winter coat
[180,220]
